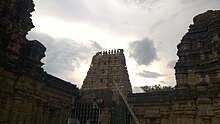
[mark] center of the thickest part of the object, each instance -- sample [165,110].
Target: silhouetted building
[199,52]
[195,100]
[28,95]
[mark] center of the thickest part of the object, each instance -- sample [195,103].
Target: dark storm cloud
[143,51]
[149,74]
[63,55]
[171,64]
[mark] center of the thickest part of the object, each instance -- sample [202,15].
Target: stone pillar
[147,121]
[29,109]
[164,116]
[65,114]
[46,116]
[15,112]
[191,119]
[178,114]
[164,119]
[40,113]
[178,120]
[218,75]
[5,108]
[54,116]
[158,121]
[207,120]
[33,112]
[205,109]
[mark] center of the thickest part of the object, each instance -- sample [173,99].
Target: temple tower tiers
[106,67]
[199,51]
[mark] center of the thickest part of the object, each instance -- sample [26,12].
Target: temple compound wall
[28,95]
[196,97]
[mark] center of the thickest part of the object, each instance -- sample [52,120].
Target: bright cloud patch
[66,58]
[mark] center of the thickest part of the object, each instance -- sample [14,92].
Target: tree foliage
[156,88]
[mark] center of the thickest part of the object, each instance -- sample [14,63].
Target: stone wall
[28,95]
[30,98]
[198,51]
[180,106]
[15,22]
[196,97]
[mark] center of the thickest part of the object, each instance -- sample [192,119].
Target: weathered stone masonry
[196,98]
[106,67]
[99,92]
[199,51]
[28,95]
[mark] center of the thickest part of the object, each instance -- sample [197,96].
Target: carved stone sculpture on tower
[106,67]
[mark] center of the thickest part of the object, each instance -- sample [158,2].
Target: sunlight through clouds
[148,31]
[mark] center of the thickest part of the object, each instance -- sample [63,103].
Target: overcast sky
[148,31]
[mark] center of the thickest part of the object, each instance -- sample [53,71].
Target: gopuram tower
[108,71]
[106,83]
[199,53]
